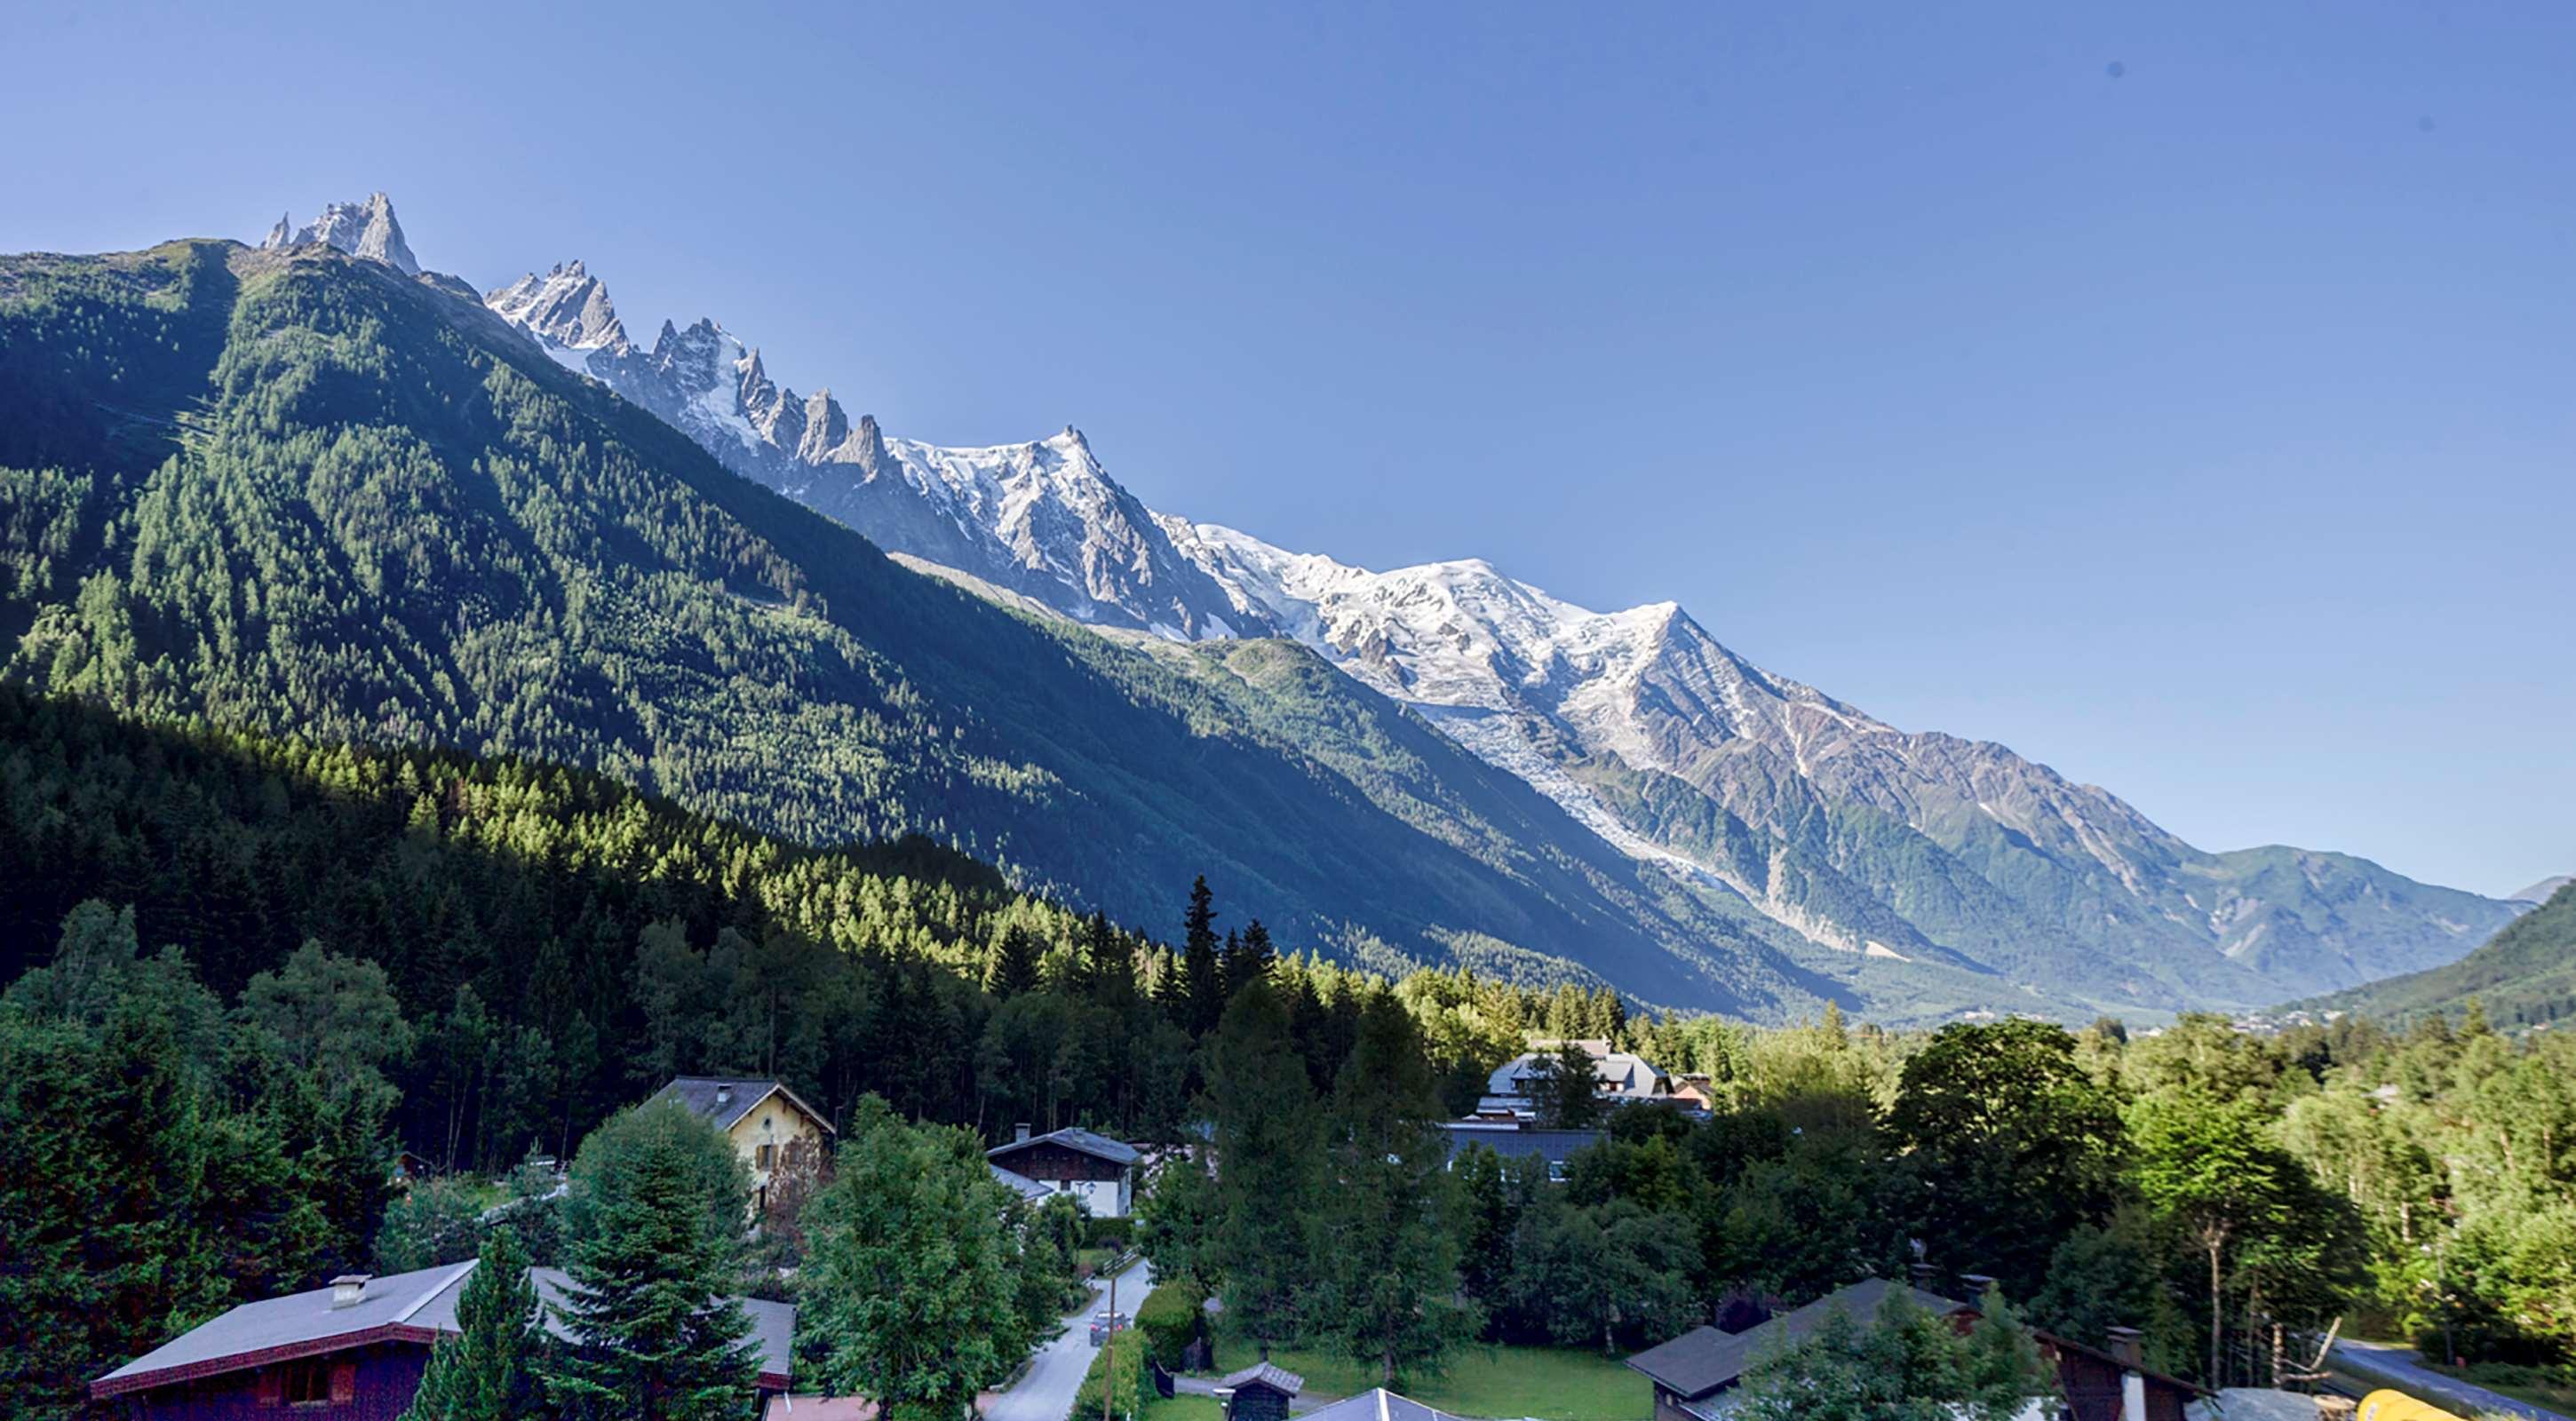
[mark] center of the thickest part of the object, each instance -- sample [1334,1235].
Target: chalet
[1095,1169]
[1694,1373]
[1260,1392]
[353,1351]
[1515,1141]
[763,1119]
[1620,1079]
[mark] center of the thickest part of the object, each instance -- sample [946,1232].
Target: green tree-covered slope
[2523,976]
[303,494]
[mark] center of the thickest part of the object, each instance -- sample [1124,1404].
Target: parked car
[1105,1323]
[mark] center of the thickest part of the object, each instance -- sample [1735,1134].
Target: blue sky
[2204,430]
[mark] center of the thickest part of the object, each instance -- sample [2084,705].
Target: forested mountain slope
[300,492]
[2523,976]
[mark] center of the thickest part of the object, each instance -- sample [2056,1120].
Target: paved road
[1045,1391]
[2372,1360]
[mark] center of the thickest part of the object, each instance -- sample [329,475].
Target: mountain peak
[567,306]
[362,229]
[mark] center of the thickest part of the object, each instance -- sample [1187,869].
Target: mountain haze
[2523,976]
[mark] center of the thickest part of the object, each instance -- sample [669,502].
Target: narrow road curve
[1045,1391]
[2400,1366]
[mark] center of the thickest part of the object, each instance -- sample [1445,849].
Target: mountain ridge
[1623,717]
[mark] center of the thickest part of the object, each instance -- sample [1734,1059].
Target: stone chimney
[1019,1132]
[348,1290]
[1978,1285]
[2128,1346]
[1923,1274]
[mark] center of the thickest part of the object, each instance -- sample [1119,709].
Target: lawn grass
[1550,1383]
[1182,1408]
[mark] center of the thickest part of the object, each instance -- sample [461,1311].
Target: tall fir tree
[1201,989]
[1015,963]
[489,1370]
[1269,1136]
[1389,1247]
[1249,957]
[654,1224]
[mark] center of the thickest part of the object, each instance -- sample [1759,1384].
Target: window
[308,1383]
[765,1155]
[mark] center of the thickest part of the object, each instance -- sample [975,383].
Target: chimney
[1923,1273]
[1019,1132]
[2125,1349]
[724,1094]
[1978,1284]
[348,1290]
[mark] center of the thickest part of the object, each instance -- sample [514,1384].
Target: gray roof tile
[1704,1359]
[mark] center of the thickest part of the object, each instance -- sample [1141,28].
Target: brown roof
[416,1307]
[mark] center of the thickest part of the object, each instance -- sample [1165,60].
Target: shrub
[1171,1318]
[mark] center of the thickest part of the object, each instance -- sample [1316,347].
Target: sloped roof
[1619,1072]
[1072,1138]
[400,1307]
[1554,1146]
[1026,1187]
[721,1101]
[1265,1374]
[1704,1359]
[1379,1404]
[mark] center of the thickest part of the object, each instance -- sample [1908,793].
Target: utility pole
[1109,1377]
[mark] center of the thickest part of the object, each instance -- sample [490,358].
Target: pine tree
[1015,963]
[654,1224]
[1268,1187]
[1389,1248]
[1201,997]
[1108,968]
[488,1372]
[1249,958]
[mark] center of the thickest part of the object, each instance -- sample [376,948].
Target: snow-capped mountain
[1042,518]
[362,229]
[1862,838]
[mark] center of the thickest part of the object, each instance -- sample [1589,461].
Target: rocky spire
[566,305]
[365,229]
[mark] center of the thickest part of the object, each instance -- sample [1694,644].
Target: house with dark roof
[353,1351]
[1515,1141]
[1695,1372]
[1099,1171]
[1020,1184]
[770,1127]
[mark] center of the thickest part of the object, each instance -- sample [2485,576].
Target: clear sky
[2183,396]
